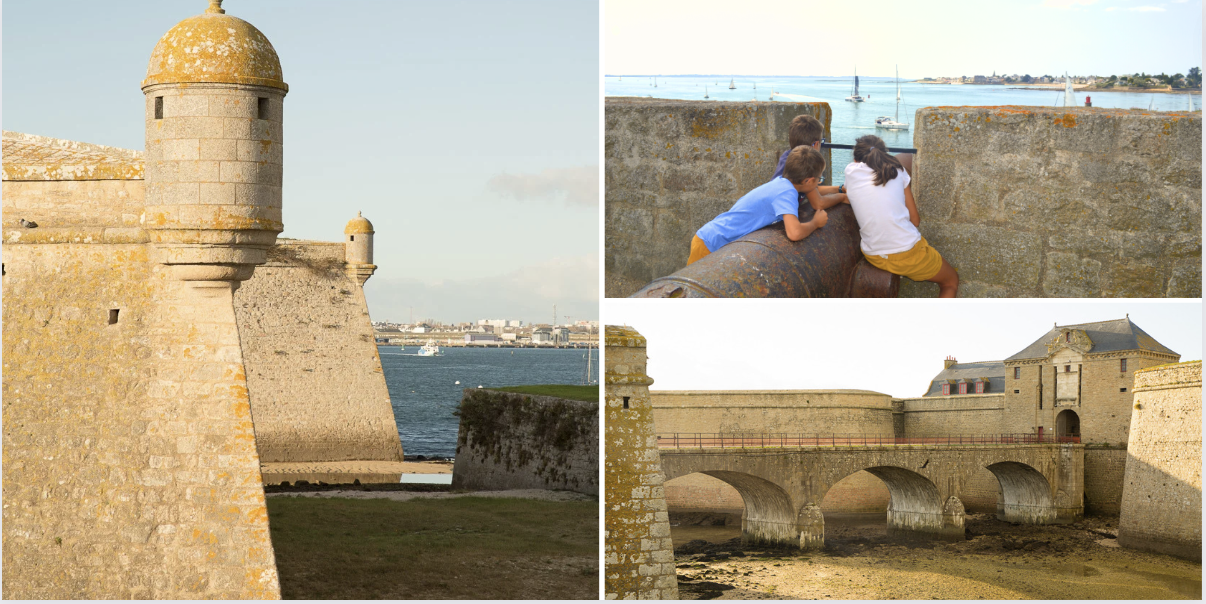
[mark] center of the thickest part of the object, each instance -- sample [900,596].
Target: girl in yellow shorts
[877,186]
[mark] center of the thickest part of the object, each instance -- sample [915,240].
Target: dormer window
[946,390]
[1067,336]
[979,387]
[962,387]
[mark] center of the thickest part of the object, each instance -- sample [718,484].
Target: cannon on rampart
[766,264]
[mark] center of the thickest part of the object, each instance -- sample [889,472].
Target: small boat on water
[430,349]
[731,86]
[888,123]
[854,96]
[705,91]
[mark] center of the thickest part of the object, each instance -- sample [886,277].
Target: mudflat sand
[408,495]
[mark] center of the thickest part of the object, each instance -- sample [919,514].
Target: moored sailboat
[731,86]
[854,96]
[890,123]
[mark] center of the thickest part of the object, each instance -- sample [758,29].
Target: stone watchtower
[358,249]
[638,554]
[214,108]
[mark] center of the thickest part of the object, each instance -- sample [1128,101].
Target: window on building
[625,402]
[113,312]
[946,389]
[1017,373]
[158,107]
[1067,336]
[979,387]
[262,108]
[1017,391]
[1122,365]
[1067,369]
[962,387]
[1122,389]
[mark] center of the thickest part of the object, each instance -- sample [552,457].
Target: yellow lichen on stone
[215,48]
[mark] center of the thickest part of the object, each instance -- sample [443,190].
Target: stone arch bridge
[782,487]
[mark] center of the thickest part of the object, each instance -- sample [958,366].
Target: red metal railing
[761,441]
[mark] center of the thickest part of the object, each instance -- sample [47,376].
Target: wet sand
[999,560]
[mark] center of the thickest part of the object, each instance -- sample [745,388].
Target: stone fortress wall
[1062,202]
[1162,492]
[1023,201]
[671,166]
[130,462]
[522,441]
[318,393]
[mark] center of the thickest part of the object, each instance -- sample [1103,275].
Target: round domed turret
[358,248]
[214,148]
[358,225]
[215,47]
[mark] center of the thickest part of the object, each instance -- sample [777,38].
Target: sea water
[425,393]
[852,120]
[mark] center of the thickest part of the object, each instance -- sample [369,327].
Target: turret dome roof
[358,225]
[215,47]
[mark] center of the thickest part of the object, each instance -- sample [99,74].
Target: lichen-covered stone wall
[1162,489]
[672,166]
[508,440]
[772,411]
[130,465]
[1061,202]
[317,389]
[1104,467]
[638,554]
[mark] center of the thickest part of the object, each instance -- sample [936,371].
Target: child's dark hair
[804,130]
[803,163]
[870,149]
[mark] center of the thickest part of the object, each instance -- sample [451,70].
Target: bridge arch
[916,506]
[769,516]
[1025,494]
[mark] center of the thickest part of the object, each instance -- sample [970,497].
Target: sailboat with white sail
[705,91]
[854,96]
[731,86]
[1069,97]
[890,123]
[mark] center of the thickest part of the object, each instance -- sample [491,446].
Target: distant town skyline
[466,131]
[925,38]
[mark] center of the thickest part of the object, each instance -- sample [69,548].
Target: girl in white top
[877,186]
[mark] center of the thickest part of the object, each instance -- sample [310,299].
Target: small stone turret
[358,249]
[214,100]
[638,552]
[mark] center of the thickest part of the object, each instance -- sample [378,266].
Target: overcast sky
[467,132]
[890,346]
[925,37]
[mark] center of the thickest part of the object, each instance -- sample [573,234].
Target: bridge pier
[811,524]
[767,531]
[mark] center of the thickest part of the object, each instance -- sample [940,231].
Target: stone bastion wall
[1162,490]
[672,166]
[318,393]
[522,441]
[1023,201]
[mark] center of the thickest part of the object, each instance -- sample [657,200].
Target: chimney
[950,360]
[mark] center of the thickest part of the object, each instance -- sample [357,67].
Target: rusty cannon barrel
[766,264]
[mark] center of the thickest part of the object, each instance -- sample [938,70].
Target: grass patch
[575,393]
[465,548]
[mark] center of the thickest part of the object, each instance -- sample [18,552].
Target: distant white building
[421,329]
[542,335]
[510,337]
[481,338]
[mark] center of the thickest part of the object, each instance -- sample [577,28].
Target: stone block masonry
[521,441]
[1061,202]
[1162,489]
[638,554]
[130,465]
[318,392]
[672,166]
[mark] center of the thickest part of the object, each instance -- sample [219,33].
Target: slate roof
[993,370]
[1107,336]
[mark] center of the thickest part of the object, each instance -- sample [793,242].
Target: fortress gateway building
[133,361]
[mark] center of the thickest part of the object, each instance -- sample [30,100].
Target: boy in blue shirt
[776,200]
